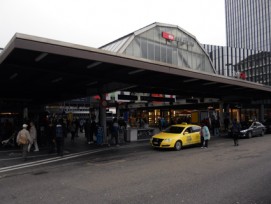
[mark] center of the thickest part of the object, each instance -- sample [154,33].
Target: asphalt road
[135,173]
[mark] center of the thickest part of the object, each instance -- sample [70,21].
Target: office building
[248,24]
[255,65]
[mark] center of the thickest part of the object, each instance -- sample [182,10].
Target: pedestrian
[235,129]
[82,124]
[77,125]
[73,130]
[33,134]
[163,123]
[59,138]
[93,128]
[87,130]
[205,133]
[51,137]
[115,131]
[216,127]
[99,135]
[23,139]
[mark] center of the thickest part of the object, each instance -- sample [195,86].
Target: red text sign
[167,36]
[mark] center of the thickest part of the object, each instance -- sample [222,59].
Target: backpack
[22,139]
[59,131]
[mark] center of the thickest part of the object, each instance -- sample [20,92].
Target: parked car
[251,129]
[177,136]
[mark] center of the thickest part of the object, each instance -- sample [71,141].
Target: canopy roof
[39,71]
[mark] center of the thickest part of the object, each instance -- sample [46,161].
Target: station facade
[154,52]
[173,45]
[163,43]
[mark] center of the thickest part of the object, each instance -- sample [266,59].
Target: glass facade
[183,50]
[228,61]
[248,24]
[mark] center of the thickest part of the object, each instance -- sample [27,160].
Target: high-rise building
[248,24]
[230,61]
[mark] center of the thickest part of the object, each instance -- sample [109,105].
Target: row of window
[248,24]
[154,47]
[255,64]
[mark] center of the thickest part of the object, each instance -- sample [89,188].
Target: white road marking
[56,159]
[47,161]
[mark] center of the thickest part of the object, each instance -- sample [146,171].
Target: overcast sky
[95,23]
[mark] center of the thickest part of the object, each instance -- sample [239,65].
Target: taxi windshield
[174,130]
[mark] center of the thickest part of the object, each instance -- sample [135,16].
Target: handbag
[22,139]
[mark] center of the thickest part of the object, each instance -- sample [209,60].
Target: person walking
[235,129]
[33,134]
[216,127]
[205,133]
[93,128]
[23,139]
[59,137]
[87,130]
[73,130]
[51,137]
[115,131]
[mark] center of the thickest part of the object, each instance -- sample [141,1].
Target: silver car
[251,129]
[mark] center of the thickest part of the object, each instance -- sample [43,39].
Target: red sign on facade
[168,36]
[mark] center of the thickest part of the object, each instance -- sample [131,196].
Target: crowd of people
[52,133]
[55,131]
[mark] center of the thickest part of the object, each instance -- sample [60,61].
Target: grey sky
[95,23]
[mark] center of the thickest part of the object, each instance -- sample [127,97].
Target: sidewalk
[13,155]
[10,158]
[80,144]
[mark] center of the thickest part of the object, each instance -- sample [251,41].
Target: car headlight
[168,140]
[243,131]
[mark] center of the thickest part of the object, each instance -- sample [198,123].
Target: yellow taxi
[177,136]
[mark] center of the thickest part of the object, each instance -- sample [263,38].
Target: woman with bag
[205,134]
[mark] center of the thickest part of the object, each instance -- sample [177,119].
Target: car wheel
[249,135]
[178,146]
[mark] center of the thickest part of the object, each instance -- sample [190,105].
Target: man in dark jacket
[235,129]
[59,139]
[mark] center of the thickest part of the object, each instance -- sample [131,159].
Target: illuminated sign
[168,36]
[180,40]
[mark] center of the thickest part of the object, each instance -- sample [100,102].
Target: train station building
[160,70]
